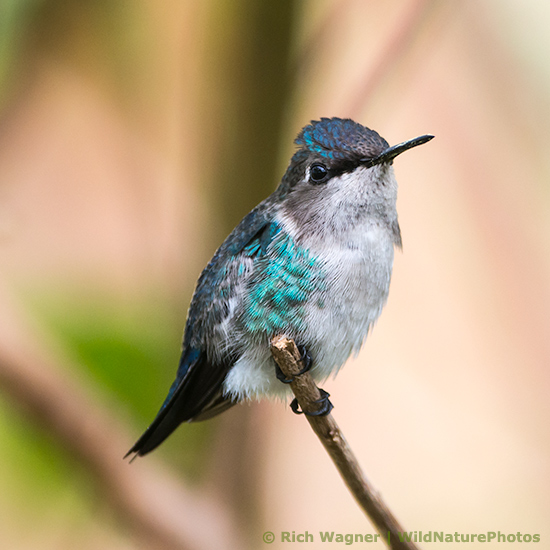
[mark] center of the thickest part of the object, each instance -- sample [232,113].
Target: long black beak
[391,152]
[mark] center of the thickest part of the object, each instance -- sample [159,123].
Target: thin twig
[287,356]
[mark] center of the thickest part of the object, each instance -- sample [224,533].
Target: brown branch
[287,356]
[155,505]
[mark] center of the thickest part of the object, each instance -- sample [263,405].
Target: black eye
[318,173]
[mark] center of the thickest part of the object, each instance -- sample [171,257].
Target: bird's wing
[197,392]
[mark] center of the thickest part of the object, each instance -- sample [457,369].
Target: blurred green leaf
[131,351]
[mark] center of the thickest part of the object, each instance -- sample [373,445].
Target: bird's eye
[318,173]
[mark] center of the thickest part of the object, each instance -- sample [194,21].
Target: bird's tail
[196,394]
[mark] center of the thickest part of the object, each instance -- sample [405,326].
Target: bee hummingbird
[312,262]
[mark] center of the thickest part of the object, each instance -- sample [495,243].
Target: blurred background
[135,134]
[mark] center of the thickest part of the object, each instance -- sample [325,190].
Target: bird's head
[341,172]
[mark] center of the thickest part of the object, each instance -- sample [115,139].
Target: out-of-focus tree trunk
[248,91]
[248,87]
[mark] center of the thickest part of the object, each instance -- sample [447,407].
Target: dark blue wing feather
[196,393]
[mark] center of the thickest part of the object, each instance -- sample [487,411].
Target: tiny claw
[305,359]
[281,376]
[294,406]
[324,409]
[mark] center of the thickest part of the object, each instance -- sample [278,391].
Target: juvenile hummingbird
[311,262]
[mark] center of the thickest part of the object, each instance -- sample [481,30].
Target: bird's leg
[325,405]
[281,376]
[305,358]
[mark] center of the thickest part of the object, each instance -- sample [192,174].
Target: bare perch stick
[287,356]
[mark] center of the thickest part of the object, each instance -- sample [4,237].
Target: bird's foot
[325,405]
[306,361]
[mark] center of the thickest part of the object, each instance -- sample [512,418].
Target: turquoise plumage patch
[283,281]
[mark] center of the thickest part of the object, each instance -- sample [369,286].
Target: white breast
[359,272]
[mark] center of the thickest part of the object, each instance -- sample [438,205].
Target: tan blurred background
[135,134]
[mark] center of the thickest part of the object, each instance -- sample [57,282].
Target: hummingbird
[312,262]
